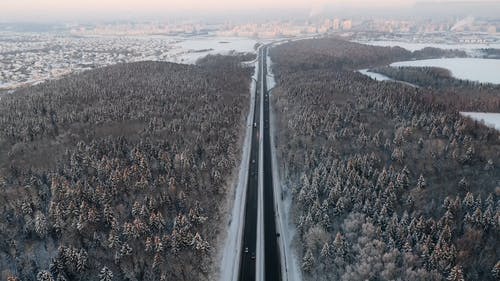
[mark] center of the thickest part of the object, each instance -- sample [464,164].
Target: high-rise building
[336,24]
[346,24]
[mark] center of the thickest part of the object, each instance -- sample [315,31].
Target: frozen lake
[220,44]
[481,70]
[419,46]
[489,119]
[190,50]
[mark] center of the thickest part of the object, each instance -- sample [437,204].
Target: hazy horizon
[77,10]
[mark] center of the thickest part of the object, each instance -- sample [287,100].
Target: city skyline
[61,10]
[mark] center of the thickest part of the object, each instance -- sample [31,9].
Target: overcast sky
[46,10]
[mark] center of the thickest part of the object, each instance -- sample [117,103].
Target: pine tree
[44,275]
[125,250]
[157,260]
[199,244]
[326,251]
[339,245]
[495,271]
[463,184]
[308,261]
[456,274]
[41,227]
[469,202]
[106,274]
[421,184]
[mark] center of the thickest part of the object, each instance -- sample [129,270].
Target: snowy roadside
[291,266]
[231,253]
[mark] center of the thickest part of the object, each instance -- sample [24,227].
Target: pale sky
[34,10]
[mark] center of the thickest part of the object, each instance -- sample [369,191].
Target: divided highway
[249,241]
[250,256]
[272,262]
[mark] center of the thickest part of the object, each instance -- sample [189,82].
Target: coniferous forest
[127,172]
[388,181]
[120,173]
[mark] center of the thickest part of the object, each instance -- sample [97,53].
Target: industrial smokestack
[468,21]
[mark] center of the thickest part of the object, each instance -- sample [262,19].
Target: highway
[272,262]
[260,185]
[249,241]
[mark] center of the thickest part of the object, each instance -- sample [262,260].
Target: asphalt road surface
[272,264]
[249,242]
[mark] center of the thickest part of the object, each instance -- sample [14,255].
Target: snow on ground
[283,198]
[374,75]
[419,46]
[190,50]
[230,262]
[271,83]
[380,77]
[219,44]
[489,119]
[481,70]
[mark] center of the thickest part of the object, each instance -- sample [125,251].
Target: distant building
[472,40]
[347,25]
[336,24]
[492,29]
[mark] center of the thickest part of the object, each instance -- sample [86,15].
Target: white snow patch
[380,77]
[190,50]
[230,264]
[374,75]
[271,83]
[489,119]
[219,44]
[481,70]
[411,46]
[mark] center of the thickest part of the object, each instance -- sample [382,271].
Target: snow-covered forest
[389,181]
[120,173]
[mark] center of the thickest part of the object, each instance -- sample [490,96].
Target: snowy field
[380,77]
[489,119]
[481,70]
[374,75]
[190,50]
[419,46]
